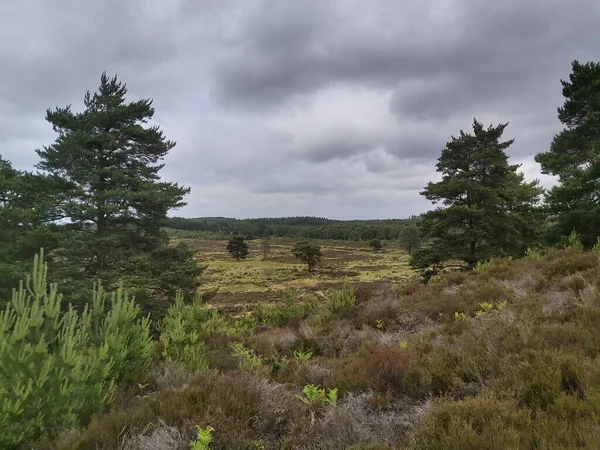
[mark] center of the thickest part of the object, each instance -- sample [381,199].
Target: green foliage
[596,247]
[181,332]
[237,247]
[203,438]
[247,359]
[459,316]
[486,306]
[533,255]
[292,227]
[481,266]
[573,241]
[409,237]
[58,367]
[574,156]
[292,307]
[489,209]
[108,163]
[303,356]
[308,253]
[343,300]
[27,209]
[156,276]
[256,445]
[314,395]
[376,245]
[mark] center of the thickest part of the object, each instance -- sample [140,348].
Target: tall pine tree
[116,202]
[490,211]
[574,156]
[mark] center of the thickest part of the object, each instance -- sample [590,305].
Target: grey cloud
[338,145]
[274,59]
[314,107]
[293,188]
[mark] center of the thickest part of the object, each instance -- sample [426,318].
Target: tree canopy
[376,244]
[488,209]
[574,156]
[238,247]
[110,163]
[308,253]
[97,204]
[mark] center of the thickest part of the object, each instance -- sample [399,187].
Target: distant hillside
[295,227]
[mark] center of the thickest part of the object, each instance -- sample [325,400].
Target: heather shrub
[305,344]
[571,261]
[575,283]
[386,368]
[109,431]
[482,422]
[501,269]
[227,402]
[407,289]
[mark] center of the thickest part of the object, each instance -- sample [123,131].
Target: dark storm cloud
[285,49]
[443,63]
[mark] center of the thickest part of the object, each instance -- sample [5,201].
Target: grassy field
[246,282]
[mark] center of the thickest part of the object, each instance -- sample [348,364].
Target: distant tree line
[298,227]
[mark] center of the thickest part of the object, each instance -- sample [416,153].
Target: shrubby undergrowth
[500,357]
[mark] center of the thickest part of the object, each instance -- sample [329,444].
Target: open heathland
[501,357]
[256,279]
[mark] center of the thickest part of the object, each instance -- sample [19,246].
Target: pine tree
[489,210]
[237,247]
[265,247]
[574,156]
[308,253]
[408,237]
[115,201]
[58,367]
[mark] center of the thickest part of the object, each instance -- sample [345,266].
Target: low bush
[279,315]
[569,262]
[505,358]
[343,300]
[479,423]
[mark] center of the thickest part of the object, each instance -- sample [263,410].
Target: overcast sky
[335,108]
